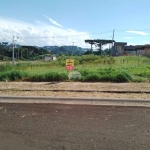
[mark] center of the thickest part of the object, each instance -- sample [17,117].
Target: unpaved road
[67,127]
[67,89]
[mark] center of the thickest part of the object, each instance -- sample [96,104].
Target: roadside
[76,89]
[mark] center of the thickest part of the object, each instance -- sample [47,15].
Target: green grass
[92,69]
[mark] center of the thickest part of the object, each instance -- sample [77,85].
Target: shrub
[74,75]
[12,75]
[122,76]
[51,76]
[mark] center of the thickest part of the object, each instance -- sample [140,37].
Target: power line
[88,34]
[72,35]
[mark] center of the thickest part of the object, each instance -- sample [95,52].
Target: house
[118,48]
[121,48]
[130,50]
[143,50]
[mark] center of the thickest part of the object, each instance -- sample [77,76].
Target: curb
[75,101]
[57,90]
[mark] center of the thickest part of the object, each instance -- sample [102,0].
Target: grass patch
[92,69]
[51,76]
[12,75]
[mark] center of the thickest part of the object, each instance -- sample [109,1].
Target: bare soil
[76,89]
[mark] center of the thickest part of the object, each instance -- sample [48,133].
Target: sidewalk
[75,101]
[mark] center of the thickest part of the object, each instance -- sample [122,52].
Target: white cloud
[107,46]
[137,32]
[53,21]
[128,37]
[145,42]
[40,34]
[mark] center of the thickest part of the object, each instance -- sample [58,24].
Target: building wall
[121,48]
[139,52]
[118,48]
[130,52]
[146,51]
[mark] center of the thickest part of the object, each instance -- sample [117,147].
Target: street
[73,127]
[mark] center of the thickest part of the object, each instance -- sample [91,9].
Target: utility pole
[92,48]
[72,48]
[13,51]
[112,41]
[21,53]
[18,53]
[13,46]
[113,34]
[109,50]
[42,54]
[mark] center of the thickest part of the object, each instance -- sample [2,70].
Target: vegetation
[36,53]
[22,53]
[91,67]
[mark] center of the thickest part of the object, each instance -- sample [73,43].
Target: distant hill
[26,52]
[69,50]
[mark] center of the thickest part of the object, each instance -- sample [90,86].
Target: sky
[71,22]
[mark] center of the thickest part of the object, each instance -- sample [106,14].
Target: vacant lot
[88,68]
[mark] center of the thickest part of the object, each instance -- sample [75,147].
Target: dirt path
[67,89]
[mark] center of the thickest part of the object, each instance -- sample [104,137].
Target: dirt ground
[73,127]
[76,89]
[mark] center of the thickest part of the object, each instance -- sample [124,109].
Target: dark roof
[122,43]
[129,47]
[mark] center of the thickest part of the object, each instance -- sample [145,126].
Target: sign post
[69,64]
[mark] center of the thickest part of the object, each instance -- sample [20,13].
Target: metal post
[13,51]
[18,53]
[113,34]
[91,47]
[72,48]
[21,53]
[113,44]
[101,49]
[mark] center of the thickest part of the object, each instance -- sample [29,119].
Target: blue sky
[67,22]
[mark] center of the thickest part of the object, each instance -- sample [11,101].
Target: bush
[74,75]
[52,76]
[122,77]
[12,75]
[105,75]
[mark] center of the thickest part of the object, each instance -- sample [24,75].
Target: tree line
[36,53]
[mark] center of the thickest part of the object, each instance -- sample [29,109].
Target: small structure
[98,43]
[54,58]
[130,50]
[121,48]
[118,48]
[49,58]
[143,50]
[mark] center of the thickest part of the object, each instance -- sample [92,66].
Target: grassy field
[92,69]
